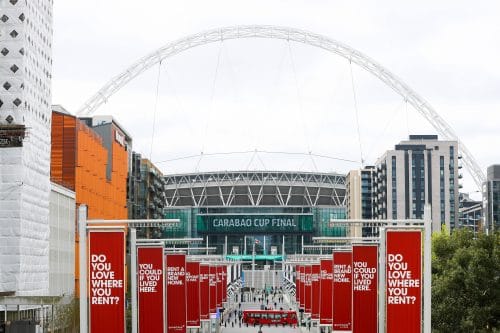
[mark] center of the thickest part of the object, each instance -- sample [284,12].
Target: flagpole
[253,265]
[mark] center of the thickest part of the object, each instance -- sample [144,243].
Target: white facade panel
[62,241]
[25,99]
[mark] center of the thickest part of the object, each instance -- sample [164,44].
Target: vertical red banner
[302,287]
[342,291]
[365,288]
[315,295]
[219,286]
[404,281]
[106,281]
[307,289]
[193,294]
[297,284]
[150,289]
[204,292]
[212,283]
[326,298]
[176,292]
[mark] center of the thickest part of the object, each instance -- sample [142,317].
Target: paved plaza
[257,301]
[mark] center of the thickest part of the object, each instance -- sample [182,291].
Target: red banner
[326,292]
[404,281]
[302,287]
[212,282]
[106,281]
[193,294]
[204,292]
[150,283]
[365,288]
[219,286]
[297,283]
[307,289]
[315,291]
[176,292]
[342,291]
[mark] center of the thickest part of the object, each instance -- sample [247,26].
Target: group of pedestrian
[269,299]
[234,318]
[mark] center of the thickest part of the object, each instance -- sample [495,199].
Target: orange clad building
[91,157]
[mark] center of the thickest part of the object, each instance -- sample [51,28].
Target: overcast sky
[273,95]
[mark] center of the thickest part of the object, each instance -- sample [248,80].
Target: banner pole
[133,276]
[427,268]
[82,247]
[381,284]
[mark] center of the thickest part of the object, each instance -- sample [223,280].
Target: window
[394,187]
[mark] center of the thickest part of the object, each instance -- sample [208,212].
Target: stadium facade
[233,211]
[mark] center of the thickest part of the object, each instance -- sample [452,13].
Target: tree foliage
[465,282]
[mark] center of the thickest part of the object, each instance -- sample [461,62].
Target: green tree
[465,282]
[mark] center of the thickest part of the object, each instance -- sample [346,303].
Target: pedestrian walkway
[232,322]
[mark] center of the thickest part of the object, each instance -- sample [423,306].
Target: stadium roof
[255,188]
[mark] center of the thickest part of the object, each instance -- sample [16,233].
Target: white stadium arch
[289,34]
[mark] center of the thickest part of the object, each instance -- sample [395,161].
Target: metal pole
[82,246]
[427,268]
[52,324]
[263,276]
[274,272]
[381,282]
[207,245]
[264,245]
[283,248]
[245,245]
[225,246]
[253,265]
[302,238]
[133,277]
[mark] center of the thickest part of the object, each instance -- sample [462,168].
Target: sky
[253,104]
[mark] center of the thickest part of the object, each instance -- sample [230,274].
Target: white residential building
[421,170]
[25,117]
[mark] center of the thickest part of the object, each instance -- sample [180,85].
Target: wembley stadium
[238,212]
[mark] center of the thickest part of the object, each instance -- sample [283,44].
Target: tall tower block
[25,122]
